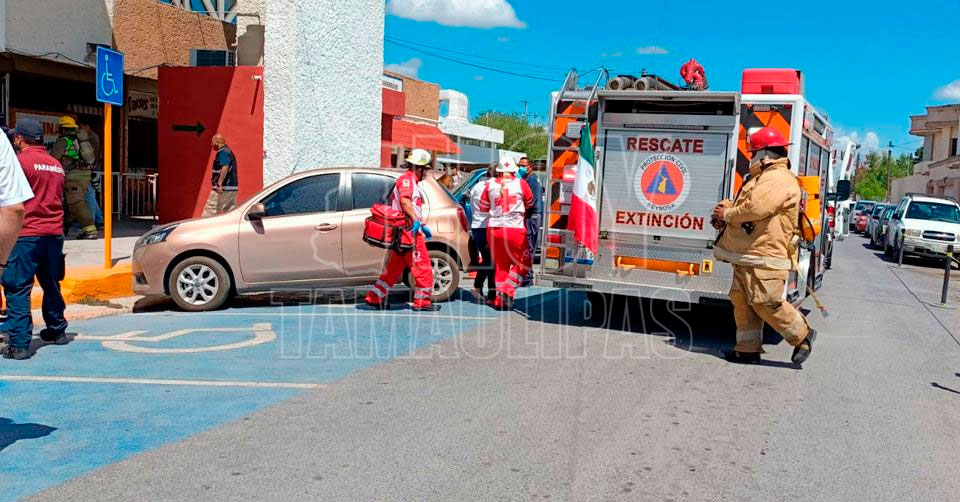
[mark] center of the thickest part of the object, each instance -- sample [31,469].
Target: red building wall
[228,100]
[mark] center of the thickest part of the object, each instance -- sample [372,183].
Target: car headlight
[912,232]
[155,237]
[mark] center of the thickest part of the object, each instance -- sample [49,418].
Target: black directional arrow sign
[197,128]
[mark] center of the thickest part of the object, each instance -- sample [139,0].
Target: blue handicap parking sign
[109,76]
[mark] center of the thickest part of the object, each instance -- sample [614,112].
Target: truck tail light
[463,218]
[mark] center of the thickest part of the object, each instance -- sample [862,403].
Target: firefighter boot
[376,301]
[802,352]
[741,357]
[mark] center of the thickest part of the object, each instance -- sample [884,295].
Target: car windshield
[877,210]
[934,211]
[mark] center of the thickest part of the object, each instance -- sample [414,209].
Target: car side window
[315,194]
[370,189]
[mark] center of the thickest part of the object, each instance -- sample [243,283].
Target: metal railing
[134,194]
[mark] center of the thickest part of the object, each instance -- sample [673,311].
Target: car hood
[937,226]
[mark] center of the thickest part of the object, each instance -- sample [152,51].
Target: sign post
[109,86]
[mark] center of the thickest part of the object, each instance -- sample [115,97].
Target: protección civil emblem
[662,183]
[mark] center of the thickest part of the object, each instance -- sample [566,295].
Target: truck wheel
[199,284]
[446,276]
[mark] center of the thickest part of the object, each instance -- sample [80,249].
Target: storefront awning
[428,137]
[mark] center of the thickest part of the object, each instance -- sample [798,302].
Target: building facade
[411,120]
[938,170]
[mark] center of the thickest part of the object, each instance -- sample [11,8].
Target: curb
[91,285]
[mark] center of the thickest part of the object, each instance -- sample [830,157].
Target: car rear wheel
[446,276]
[199,284]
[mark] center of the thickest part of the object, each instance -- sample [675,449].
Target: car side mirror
[257,212]
[895,216]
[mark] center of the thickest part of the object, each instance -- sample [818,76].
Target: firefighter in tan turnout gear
[759,238]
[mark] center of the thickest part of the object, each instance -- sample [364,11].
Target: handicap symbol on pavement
[262,333]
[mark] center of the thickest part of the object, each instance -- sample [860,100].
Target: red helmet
[766,138]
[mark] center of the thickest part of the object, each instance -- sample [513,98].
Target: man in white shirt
[14,191]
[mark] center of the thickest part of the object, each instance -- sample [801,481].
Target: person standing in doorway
[66,150]
[223,193]
[90,151]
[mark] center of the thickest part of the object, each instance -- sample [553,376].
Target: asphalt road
[562,401]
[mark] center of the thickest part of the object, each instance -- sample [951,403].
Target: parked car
[879,233]
[873,219]
[858,210]
[301,232]
[923,225]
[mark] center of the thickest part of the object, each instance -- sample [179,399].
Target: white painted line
[154,381]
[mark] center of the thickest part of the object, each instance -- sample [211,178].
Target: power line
[451,51]
[474,65]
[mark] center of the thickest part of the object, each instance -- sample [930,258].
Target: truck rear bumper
[634,290]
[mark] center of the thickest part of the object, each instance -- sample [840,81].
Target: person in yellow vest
[67,150]
[759,238]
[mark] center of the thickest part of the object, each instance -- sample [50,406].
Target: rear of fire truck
[665,156]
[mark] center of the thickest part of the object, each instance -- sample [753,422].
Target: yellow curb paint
[91,283]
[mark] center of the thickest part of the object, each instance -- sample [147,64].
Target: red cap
[766,138]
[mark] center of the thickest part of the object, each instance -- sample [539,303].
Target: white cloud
[948,92]
[652,49]
[478,77]
[868,141]
[469,13]
[409,68]
[503,39]
[611,54]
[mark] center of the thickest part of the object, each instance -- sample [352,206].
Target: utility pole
[526,111]
[889,169]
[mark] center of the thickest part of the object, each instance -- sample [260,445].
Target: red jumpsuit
[507,200]
[418,259]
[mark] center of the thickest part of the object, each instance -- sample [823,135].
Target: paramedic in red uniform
[508,200]
[407,197]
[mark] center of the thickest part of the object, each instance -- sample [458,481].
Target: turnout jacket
[770,201]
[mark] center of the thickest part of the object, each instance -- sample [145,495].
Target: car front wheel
[199,284]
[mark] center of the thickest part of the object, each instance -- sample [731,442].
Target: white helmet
[507,165]
[419,157]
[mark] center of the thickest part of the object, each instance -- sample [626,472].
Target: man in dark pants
[535,215]
[39,250]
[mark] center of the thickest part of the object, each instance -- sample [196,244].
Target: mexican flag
[583,219]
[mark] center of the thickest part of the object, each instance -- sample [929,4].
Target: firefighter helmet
[767,137]
[419,157]
[507,165]
[68,122]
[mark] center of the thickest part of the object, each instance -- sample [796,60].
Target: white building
[479,145]
[938,172]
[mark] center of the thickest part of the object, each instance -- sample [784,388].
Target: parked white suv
[923,225]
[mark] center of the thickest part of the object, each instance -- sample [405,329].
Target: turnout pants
[757,297]
[40,257]
[75,196]
[511,258]
[418,260]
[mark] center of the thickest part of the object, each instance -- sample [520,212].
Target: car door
[300,237]
[365,189]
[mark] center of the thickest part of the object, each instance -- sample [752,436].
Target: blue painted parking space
[132,383]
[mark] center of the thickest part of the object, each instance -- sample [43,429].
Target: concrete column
[322,72]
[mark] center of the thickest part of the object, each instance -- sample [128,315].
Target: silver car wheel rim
[197,284]
[442,276]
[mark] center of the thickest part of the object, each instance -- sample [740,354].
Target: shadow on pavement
[11,432]
[701,329]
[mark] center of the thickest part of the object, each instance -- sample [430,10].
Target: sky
[868,65]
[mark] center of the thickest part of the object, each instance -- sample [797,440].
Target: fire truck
[665,155]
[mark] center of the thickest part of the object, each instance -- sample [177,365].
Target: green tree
[519,135]
[871,182]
